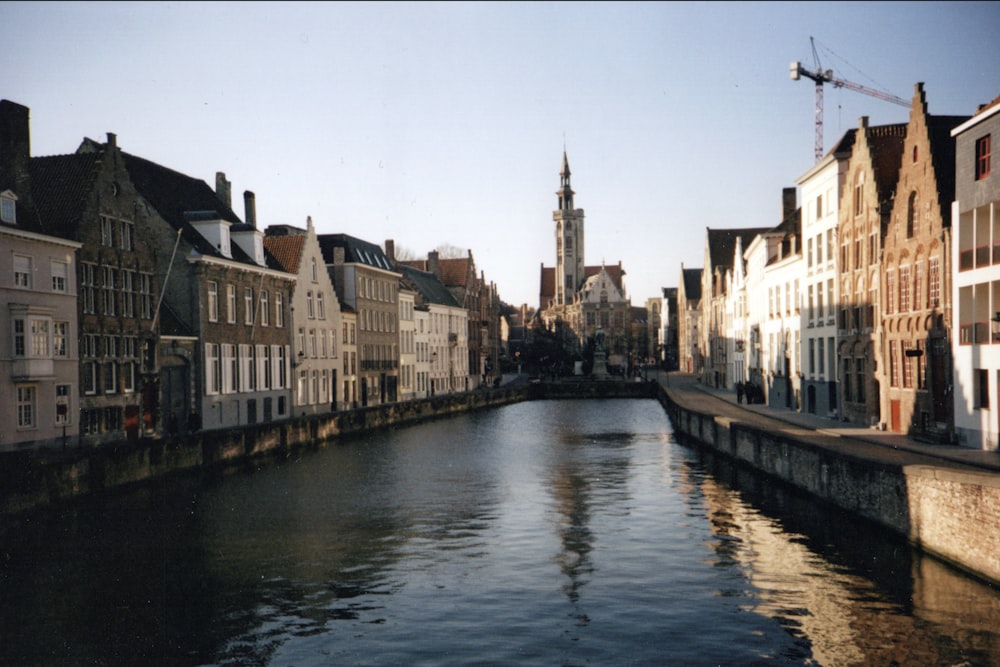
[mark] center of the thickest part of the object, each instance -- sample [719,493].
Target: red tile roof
[287,250]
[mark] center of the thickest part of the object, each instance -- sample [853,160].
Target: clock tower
[569,273]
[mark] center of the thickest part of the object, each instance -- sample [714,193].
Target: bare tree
[404,254]
[448,251]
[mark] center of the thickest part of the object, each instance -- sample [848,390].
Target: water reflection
[542,533]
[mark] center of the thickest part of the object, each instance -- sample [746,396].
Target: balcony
[32,369]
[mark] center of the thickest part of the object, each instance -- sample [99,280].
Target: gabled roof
[943,157]
[286,250]
[356,251]
[615,272]
[181,199]
[692,284]
[722,244]
[428,287]
[60,186]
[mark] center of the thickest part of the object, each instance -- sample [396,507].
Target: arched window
[911,215]
[859,190]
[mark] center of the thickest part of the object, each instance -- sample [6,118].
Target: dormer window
[224,242]
[8,207]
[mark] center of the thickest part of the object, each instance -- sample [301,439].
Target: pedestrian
[739,393]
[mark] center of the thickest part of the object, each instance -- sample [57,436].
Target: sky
[444,124]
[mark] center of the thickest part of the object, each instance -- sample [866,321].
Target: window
[62,404]
[859,191]
[127,232]
[107,232]
[268,370]
[109,373]
[20,348]
[982,157]
[146,296]
[918,283]
[40,338]
[90,377]
[213,369]
[231,303]
[89,287]
[8,208]
[859,370]
[60,339]
[890,292]
[60,275]
[128,376]
[279,310]
[22,271]
[213,301]
[230,369]
[911,214]
[907,369]
[248,305]
[26,411]
[981,388]
[934,283]
[313,271]
[128,293]
[893,363]
[320,306]
[310,307]
[108,291]
[302,341]
[265,311]
[280,358]
[904,289]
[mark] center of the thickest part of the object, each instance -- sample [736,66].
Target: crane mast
[821,76]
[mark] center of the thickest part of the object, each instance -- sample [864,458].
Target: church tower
[569,240]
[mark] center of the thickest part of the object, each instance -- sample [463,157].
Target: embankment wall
[950,511]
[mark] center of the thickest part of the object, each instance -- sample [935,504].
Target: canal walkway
[685,390]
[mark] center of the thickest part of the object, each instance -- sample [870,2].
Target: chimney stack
[250,202]
[432,262]
[787,203]
[112,140]
[390,250]
[223,189]
[15,144]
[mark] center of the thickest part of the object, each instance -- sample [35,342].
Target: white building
[976,284]
[407,344]
[39,355]
[820,189]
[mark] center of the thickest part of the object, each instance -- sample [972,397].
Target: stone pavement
[687,391]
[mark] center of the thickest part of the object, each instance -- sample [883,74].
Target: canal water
[542,533]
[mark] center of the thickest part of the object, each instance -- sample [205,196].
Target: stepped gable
[454,272]
[943,158]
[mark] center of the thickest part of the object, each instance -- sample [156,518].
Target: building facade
[976,288]
[916,340]
[315,319]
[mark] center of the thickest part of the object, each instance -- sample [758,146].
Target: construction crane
[821,76]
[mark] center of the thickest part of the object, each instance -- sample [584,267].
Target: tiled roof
[428,287]
[60,187]
[615,272]
[286,250]
[454,272]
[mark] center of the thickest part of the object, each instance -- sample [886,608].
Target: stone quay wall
[949,511]
[36,479]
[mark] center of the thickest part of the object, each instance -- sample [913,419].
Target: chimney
[390,250]
[15,143]
[339,256]
[432,262]
[250,202]
[787,203]
[223,189]
[112,140]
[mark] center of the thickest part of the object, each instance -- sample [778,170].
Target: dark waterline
[544,533]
